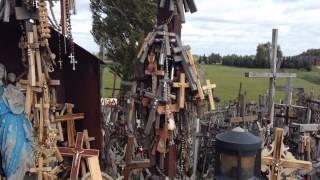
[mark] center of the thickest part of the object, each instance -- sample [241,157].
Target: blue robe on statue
[16,143]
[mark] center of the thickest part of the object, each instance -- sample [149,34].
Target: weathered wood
[269,75]
[133,164]
[70,118]
[244,119]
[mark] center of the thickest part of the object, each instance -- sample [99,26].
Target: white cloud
[237,26]
[233,26]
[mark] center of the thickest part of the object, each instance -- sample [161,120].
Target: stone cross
[182,85]
[278,160]
[77,153]
[273,75]
[208,89]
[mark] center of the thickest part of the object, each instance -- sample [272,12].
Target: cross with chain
[73,61]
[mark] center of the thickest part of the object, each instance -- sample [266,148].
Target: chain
[60,51]
[69,35]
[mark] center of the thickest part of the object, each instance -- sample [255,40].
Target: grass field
[228,79]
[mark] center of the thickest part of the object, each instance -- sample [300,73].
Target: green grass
[108,83]
[228,80]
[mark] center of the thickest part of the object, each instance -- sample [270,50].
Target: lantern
[238,155]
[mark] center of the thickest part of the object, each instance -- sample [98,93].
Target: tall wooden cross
[77,153]
[182,85]
[70,118]
[278,160]
[273,75]
[208,89]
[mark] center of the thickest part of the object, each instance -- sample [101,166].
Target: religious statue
[16,142]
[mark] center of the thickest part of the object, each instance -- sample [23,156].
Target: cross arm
[69,117]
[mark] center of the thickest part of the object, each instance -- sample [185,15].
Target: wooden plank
[32,68]
[244,119]
[94,168]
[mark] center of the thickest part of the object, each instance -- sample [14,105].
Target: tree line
[261,59]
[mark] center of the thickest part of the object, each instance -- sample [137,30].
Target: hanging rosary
[69,35]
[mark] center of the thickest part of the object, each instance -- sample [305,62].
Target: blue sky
[233,26]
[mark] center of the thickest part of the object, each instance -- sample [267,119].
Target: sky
[233,26]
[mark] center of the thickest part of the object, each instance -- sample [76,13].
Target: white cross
[73,61]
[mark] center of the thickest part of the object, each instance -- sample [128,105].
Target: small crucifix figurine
[73,61]
[208,89]
[279,161]
[78,152]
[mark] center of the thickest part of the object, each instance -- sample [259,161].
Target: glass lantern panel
[229,165]
[247,166]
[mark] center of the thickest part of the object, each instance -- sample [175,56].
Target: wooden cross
[182,85]
[40,170]
[195,71]
[288,89]
[133,164]
[278,160]
[70,118]
[208,89]
[77,153]
[273,75]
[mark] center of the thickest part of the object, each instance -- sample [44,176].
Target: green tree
[120,27]
[263,55]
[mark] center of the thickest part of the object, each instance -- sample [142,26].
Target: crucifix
[70,118]
[208,89]
[133,164]
[73,61]
[273,75]
[182,85]
[77,153]
[279,161]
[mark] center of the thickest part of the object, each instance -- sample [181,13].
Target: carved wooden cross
[278,159]
[182,85]
[133,164]
[208,89]
[77,152]
[70,118]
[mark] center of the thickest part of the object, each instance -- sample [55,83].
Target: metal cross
[73,61]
